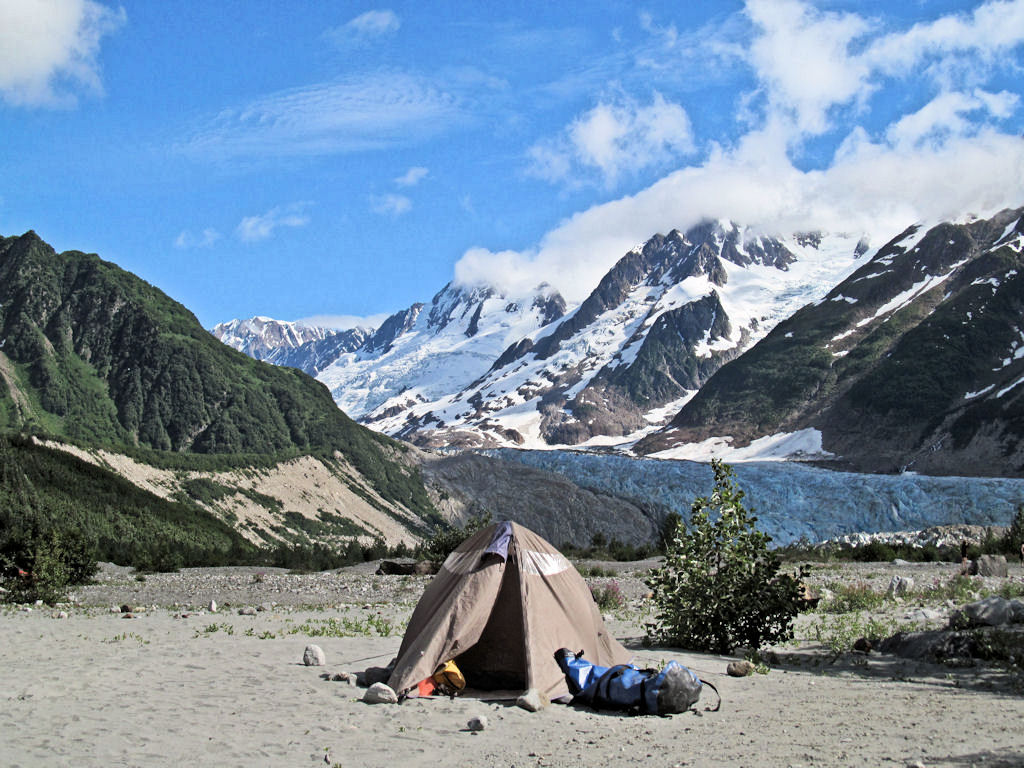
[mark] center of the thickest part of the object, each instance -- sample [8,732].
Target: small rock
[125,608]
[213,606]
[344,677]
[532,701]
[863,645]
[380,693]
[740,668]
[923,615]
[247,611]
[1017,611]
[61,615]
[477,723]
[314,656]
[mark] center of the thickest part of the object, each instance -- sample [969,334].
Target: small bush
[608,597]
[720,586]
[852,597]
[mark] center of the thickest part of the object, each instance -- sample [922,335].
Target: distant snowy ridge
[433,351]
[260,336]
[294,344]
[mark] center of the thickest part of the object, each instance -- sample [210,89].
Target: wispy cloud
[49,51]
[374,111]
[365,28]
[390,204]
[205,239]
[616,137]
[253,229]
[412,177]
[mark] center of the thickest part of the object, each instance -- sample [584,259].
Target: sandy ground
[179,686]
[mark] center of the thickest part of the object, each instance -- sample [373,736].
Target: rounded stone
[314,656]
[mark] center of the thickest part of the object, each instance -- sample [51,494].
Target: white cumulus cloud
[49,50]
[950,114]
[616,137]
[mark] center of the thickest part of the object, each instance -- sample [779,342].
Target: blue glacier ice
[794,500]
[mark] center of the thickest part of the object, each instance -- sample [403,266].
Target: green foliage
[445,541]
[838,633]
[851,597]
[43,490]
[1014,538]
[44,564]
[720,585]
[609,596]
[602,548]
[40,557]
[668,530]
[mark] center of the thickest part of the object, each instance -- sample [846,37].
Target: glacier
[790,500]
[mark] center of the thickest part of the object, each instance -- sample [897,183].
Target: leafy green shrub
[43,564]
[720,585]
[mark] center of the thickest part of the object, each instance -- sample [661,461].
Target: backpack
[668,691]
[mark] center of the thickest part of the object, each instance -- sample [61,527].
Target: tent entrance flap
[498,659]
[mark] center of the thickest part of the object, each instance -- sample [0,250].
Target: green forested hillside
[43,490]
[92,354]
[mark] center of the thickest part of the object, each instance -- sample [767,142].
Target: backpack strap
[598,690]
[709,685]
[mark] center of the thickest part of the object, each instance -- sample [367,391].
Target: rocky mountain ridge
[913,362]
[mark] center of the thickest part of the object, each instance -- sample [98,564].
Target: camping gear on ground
[503,602]
[448,679]
[672,690]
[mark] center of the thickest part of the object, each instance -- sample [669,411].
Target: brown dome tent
[503,602]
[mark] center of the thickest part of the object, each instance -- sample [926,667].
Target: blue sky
[308,159]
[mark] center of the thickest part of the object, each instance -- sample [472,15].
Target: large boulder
[989,565]
[990,612]
[900,585]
